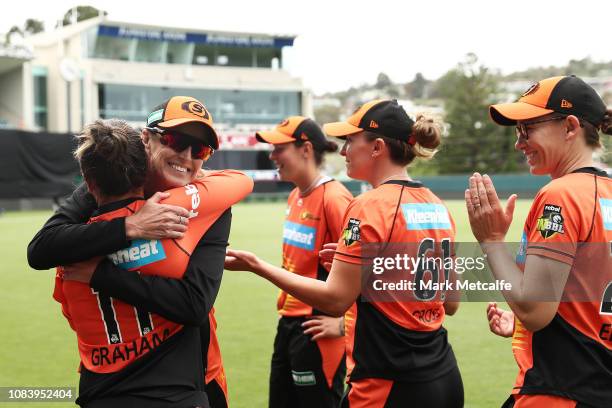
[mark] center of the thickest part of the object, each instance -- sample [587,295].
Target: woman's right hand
[236,260]
[501,322]
[157,221]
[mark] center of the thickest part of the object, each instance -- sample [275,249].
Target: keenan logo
[302,378]
[352,232]
[551,221]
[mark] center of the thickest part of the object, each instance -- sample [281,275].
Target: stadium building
[53,83]
[102,69]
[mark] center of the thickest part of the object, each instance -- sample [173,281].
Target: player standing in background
[397,352]
[306,371]
[178,139]
[561,319]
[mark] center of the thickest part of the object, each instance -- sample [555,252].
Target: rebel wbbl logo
[551,221]
[352,232]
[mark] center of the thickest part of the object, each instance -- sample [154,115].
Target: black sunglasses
[179,141]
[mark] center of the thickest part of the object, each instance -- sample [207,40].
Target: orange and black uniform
[148,338]
[306,373]
[569,362]
[398,352]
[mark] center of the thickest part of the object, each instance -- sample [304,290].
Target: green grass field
[39,349]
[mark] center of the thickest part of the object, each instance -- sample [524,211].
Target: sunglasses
[179,142]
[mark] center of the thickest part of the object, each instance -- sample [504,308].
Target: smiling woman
[557,124]
[177,246]
[393,355]
[308,361]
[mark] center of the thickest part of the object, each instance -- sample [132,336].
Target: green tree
[327,114]
[383,81]
[33,26]
[9,35]
[82,13]
[474,142]
[416,88]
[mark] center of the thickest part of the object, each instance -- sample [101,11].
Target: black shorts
[443,392]
[216,396]
[305,373]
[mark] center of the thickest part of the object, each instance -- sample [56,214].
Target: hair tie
[412,139]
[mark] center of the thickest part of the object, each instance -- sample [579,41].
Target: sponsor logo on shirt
[424,216]
[140,253]
[299,235]
[307,215]
[551,221]
[302,378]
[521,254]
[352,232]
[606,212]
[192,190]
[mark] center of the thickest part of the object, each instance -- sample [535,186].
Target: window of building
[150,51]
[179,53]
[203,55]
[82,99]
[40,97]
[265,57]
[113,48]
[235,56]
[231,107]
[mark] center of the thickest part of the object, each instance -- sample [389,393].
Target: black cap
[385,117]
[292,129]
[567,95]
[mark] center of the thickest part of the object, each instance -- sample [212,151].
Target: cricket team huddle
[140,249]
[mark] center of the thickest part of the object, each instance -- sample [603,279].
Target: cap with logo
[382,116]
[567,95]
[183,110]
[292,129]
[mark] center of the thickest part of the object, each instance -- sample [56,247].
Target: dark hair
[427,134]
[111,155]
[591,132]
[606,124]
[319,150]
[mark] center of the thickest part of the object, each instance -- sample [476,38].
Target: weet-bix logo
[606,212]
[140,253]
[299,235]
[424,216]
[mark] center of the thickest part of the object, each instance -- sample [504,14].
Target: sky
[343,43]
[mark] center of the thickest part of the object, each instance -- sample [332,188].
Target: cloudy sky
[345,43]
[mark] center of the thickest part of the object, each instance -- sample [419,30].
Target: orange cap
[180,110]
[294,128]
[567,95]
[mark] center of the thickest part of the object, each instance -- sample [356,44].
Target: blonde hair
[426,136]
[427,132]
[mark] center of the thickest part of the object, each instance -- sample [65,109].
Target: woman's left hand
[327,254]
[324,327]
[489,221]
[236,260]
[81,271]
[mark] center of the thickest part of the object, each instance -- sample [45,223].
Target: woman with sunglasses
[186,299]
[561,278]
[307,367]
[397,350]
